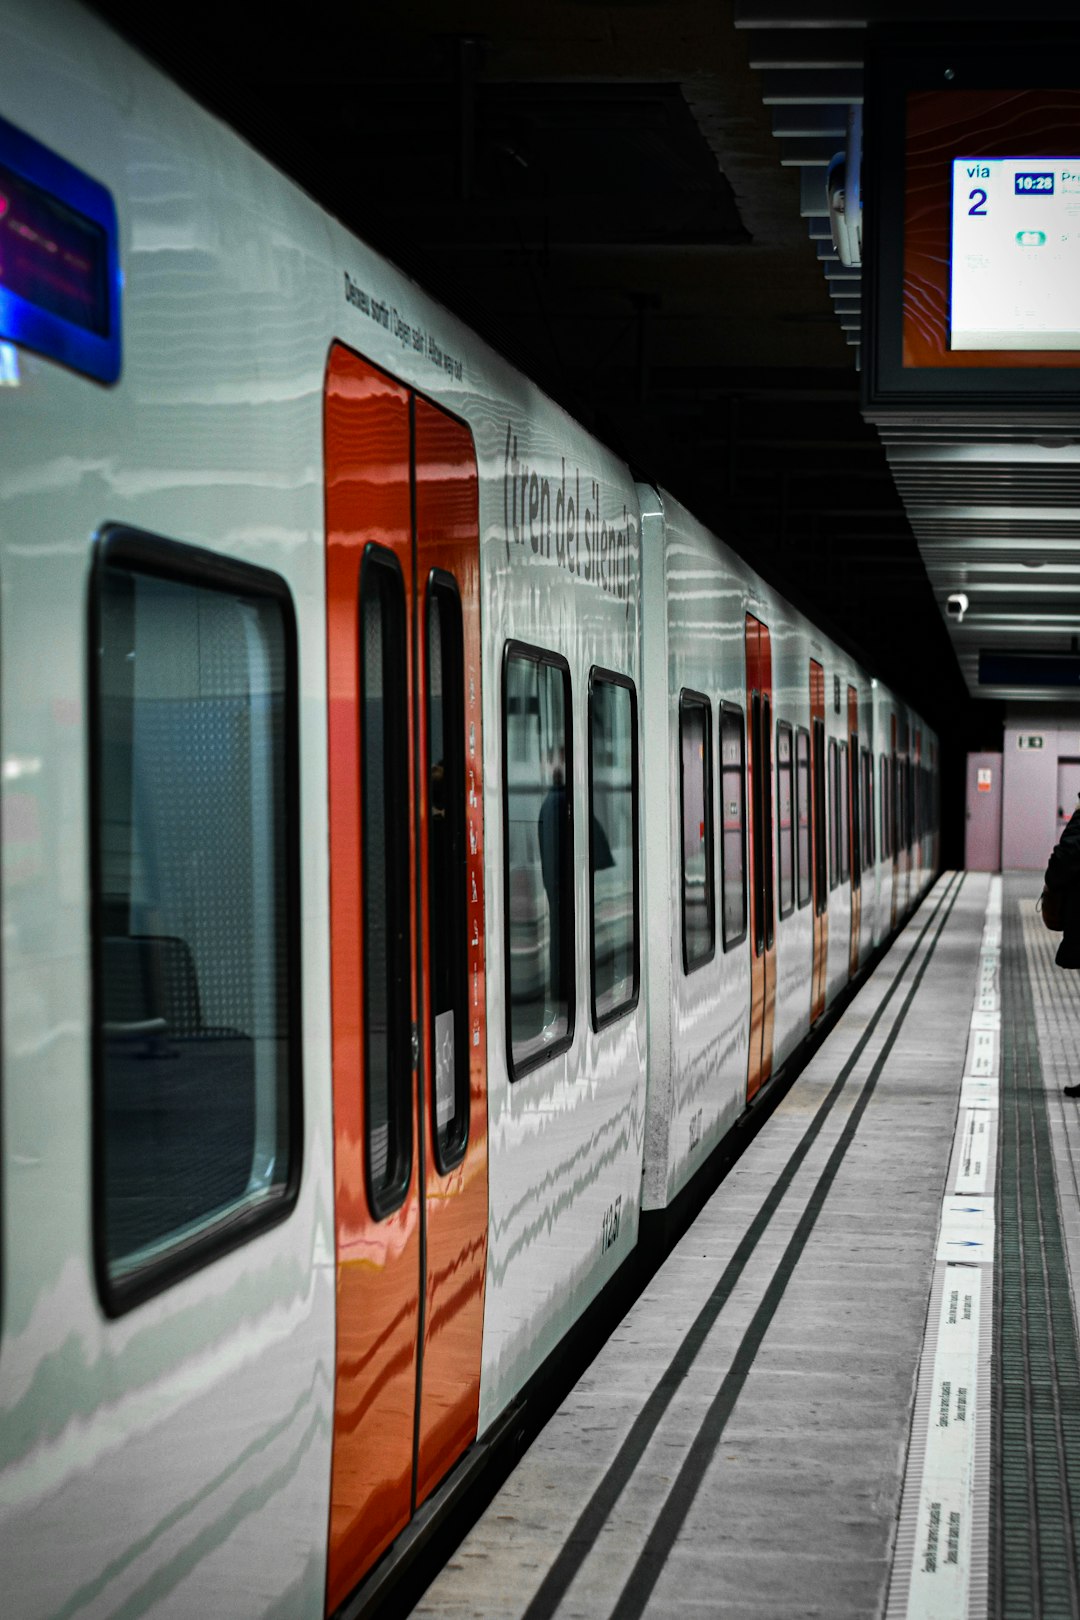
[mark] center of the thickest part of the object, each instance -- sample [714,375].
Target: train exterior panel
[410,823]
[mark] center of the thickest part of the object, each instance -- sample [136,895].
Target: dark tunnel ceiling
[598,190]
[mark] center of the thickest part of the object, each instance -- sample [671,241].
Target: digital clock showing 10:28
[1024,184]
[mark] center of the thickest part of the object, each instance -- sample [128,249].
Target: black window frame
[819,812]
[786,726]
[834,816]
[689,699]
[540,655]
[802,736]
[730,941]
[448,1155]
[843,793]
[137,551]
[387,1200]
[598,675]
[869,851]
[883,806]
[855,848]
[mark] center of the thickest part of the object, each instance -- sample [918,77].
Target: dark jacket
[1063,873]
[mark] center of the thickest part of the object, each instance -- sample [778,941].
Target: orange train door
[762,936]
[406,938]
[854,830]
[818,838]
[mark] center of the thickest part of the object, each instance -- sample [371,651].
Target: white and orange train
[420,843]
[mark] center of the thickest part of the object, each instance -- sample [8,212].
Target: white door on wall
[1068,789]
[982,832]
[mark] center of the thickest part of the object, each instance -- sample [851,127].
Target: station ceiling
[627,198]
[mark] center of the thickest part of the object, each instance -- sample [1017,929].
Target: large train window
[883,793]
[446,789]
[821,899]
[613,844]
[802,815]
[732,824]
[538,836]
[842,801]
[695,754]
[761,775]
[387,936]
[195,904]
[834,815]
[868,807]
[851,783]
[785,818]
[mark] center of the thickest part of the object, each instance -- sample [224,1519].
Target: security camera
[956,606]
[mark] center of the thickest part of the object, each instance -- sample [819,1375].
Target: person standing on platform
[1061,894]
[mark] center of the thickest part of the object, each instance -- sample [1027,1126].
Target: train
[422,842]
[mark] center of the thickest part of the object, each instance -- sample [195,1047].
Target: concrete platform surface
[738,1446]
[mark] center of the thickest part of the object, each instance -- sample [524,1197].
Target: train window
[785,818]
[732,824]
[868,807]
[851,780]
[821,880]
[767,815]
[195,891]
[883,796]
[834,815]
[802,814]
[538,837]
[695,753]
[384,789]
[613,844]
[448,929]
[842,800]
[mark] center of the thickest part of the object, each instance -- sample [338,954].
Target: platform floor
[759,1436]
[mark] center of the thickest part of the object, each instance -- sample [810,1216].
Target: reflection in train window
[802,813]
[613,844]
[538,841]
[821,885]
[834,815]
[785,819]
[196,969]
[883,773]
[448,928]
[842,789]
[732,824]
[695,755]
[384,790]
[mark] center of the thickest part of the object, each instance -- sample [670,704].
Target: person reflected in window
[551,830]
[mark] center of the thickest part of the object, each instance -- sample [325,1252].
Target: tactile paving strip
[1035,1537]
[940,1565]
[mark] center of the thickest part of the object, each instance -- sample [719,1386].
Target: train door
[407,966]
[762,910]
[819,837]
[854,830]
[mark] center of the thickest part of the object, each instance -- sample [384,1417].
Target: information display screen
[60,278]
[1015,254]
[52,256]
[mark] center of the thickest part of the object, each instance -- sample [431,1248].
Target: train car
[421,843]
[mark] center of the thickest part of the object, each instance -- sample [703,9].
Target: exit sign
[1029,742]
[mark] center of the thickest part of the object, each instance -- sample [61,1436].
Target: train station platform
[853,1389]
